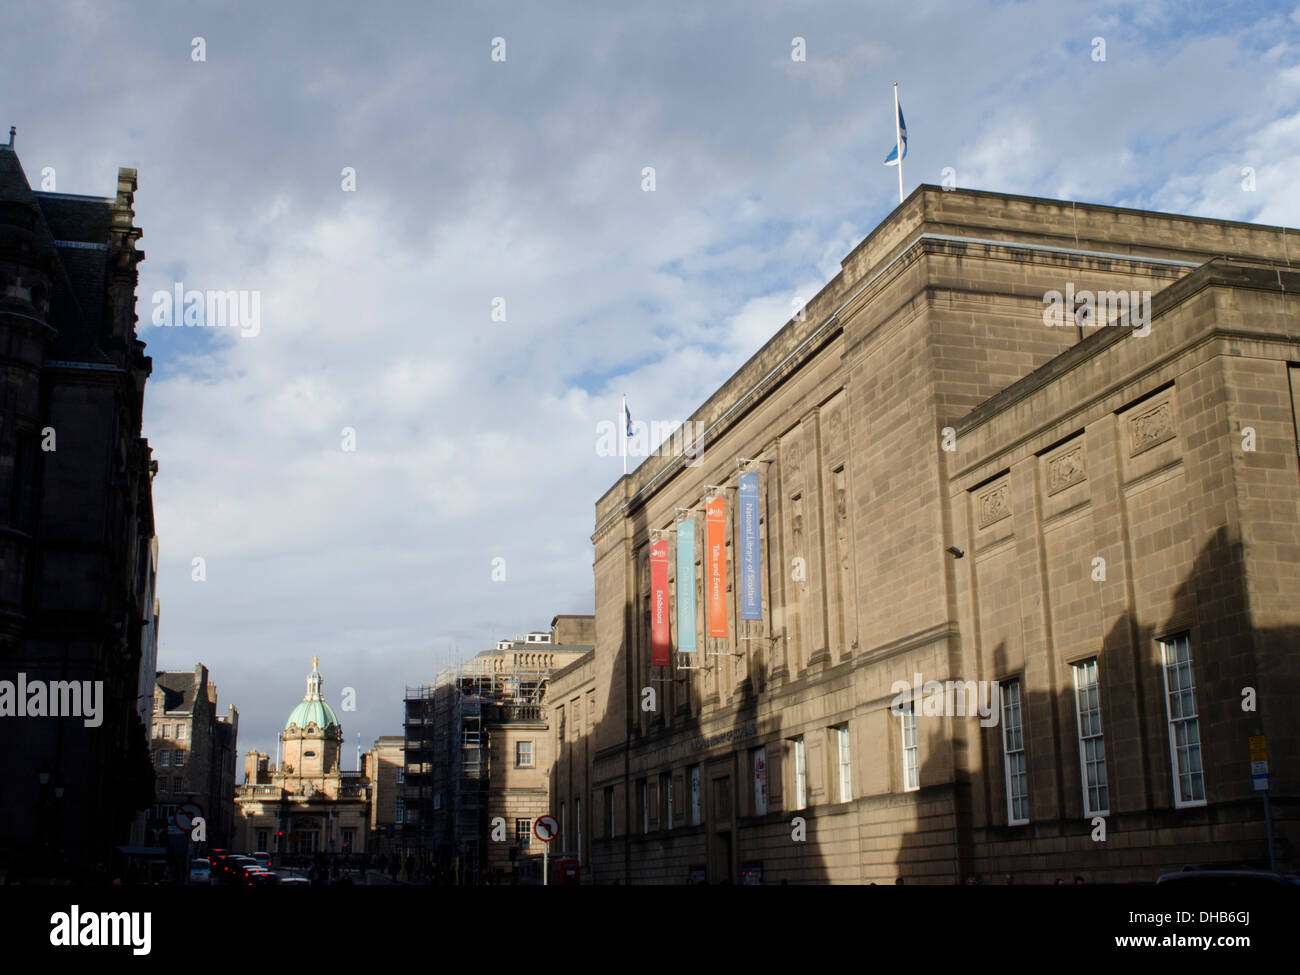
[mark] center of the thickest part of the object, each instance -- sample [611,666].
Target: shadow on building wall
[961,829]
[730,839]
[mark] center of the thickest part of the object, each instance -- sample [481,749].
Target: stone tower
[312,736]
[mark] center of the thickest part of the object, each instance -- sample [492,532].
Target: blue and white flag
[892,158]
[627,415]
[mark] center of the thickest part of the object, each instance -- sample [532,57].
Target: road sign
[1258,763]
[1258,749]
[546,829]
[185,815]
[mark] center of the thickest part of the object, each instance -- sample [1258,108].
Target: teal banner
[686,586]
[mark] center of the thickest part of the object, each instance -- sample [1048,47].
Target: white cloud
[477,439]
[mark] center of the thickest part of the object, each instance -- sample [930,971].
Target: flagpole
[898,142]
[622,422]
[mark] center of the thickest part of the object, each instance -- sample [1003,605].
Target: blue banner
[751,595]
[686,586]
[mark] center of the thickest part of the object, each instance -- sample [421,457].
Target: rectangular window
[178,757]
[523,754]
[176,785]
[911,769]
[758,765]
[1092,750]
[695,795]
[559,728]
[399,810]
[349,838]
[1013,755]
[167,731]
[180,732]
[263,838]
[643,801]
[162,785]
[666,786]
[591,708]
[164,758]
[1184,727]
[523,833]
[844,762]
[401,775]
[155,731]
[577,822]
[800,768]
[609,810]
[564,827]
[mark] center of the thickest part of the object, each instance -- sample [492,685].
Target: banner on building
[660,647]
[686,586]
[751,595]
[715,529]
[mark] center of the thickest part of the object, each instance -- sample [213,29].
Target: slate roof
[178,689]
[77,296]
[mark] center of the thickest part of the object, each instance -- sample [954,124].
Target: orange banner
[659,639]
[715,531]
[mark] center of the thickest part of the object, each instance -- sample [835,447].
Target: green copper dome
[313,709]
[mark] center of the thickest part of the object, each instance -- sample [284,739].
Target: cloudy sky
[478,179]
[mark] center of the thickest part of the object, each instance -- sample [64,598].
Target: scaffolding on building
[448,750]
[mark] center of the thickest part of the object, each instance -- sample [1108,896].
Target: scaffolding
[448,747]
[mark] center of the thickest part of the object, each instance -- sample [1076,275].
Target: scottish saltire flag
[892,158]
[627,414]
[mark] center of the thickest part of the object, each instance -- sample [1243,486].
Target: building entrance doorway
[720,863]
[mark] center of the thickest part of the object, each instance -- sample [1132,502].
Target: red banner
[659,639]
[715,532]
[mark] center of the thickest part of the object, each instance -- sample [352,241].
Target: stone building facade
[76,525]
[306,804]
[479,754]
[194,750]
[385,771]
[1098,510]
[572,710]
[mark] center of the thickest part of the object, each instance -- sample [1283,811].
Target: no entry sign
[546,829]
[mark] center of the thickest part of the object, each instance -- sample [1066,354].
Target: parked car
[200,871]
[294,882]
[261,878]
[263,858]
